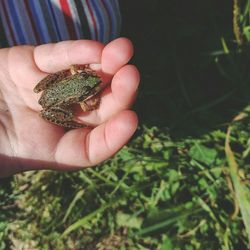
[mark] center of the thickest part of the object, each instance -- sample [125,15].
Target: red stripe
[37,38]
[68,18]
[92,17]
[9,24]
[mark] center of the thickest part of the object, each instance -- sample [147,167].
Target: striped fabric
[43,21]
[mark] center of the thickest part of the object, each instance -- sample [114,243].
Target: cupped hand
[28,142]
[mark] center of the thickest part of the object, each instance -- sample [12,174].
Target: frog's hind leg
[51,79]
[72,124]
[60,116]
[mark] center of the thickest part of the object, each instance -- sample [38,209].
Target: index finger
[53,57]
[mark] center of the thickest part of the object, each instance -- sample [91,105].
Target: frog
[63,89]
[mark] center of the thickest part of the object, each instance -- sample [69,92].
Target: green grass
[183,181]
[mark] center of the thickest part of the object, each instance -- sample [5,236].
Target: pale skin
[28,142]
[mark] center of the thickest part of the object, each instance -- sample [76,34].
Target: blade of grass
[119,184]
[86,178]
[246,11]
[224,45]
[172,219]
[83,221]
[72,204]
[206,173]
[241,191]
[99,176]
[222,233]
[236,22]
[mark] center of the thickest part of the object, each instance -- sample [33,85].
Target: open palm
[28,142]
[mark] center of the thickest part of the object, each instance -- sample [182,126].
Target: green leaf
[167,244]
[202,154]
[127,220]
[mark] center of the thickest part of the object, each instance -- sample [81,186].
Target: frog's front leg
[60,115]
[91,103]
[79,68]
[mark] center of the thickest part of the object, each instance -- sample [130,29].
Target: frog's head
[89,86]
[92,81]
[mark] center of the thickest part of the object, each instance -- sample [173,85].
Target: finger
[119,96]
[81,147]
[54,57]
[116,54]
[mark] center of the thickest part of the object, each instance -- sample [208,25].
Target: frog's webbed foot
[60,116]
[51,79]
[91,104]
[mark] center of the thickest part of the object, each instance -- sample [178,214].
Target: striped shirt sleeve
[37,22]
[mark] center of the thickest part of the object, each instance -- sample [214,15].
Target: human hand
[28,142]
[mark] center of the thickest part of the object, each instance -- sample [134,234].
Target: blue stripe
[118,16]
[6,32]
[54,20]
[37,21]
[60,20]
[113,19]
[100,20]
[16,22]
[106,21]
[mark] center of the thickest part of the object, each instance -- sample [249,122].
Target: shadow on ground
[188,82]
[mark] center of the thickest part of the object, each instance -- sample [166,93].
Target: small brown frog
[61,90]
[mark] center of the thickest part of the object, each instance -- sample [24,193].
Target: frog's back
[70,90]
